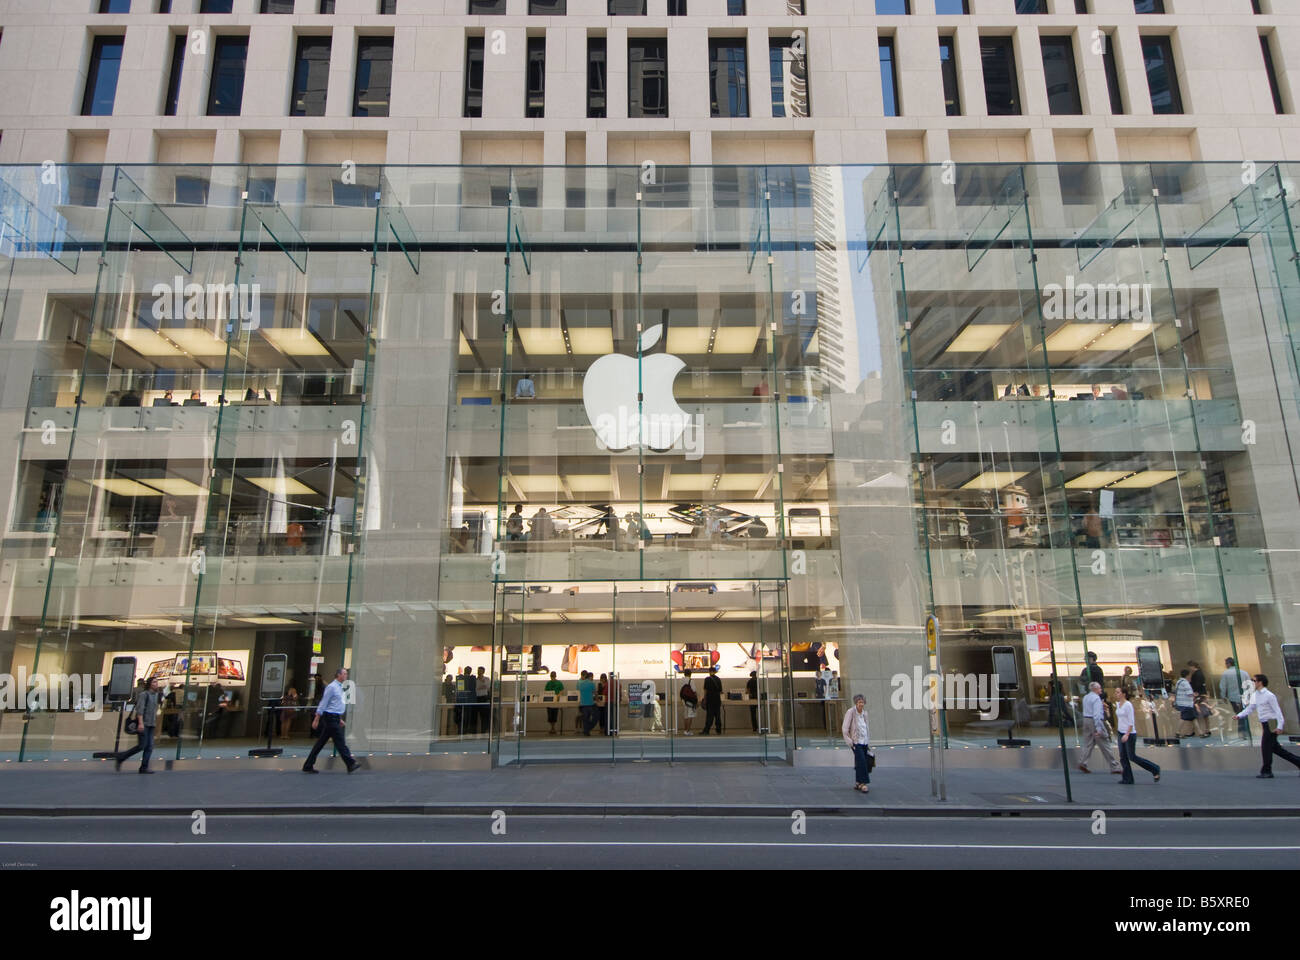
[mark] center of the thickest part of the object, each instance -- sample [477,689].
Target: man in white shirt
[1271,720]
[1234,686]
[333,704]
[1093,730]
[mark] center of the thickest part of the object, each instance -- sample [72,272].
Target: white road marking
[1101,846]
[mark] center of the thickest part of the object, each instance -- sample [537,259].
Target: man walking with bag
[146,717]
[1271,720]
[1093,732]
[331,709]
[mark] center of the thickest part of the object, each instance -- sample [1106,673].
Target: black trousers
[753,718]
[145,743]
[712,715]
[1268,745]
[1128,756]
[330,730]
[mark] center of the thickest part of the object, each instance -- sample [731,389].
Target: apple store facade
[476,433]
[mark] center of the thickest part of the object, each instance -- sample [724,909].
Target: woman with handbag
[857,734]
[1185,703]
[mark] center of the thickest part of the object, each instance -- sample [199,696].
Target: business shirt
[1269,709]
[1093,710]
[1124,718]
[332,700]
[856,729]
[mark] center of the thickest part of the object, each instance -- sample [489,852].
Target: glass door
[639,719]
[771,692]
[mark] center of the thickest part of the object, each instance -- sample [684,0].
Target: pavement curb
[1055,811]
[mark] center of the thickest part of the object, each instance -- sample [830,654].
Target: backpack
[689,696]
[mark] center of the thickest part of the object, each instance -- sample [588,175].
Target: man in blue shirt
[331,709]
[587,702]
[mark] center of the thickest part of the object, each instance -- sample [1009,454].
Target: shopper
[483,694]
[1197,679]
[1091,674]
[690,700]
[712,701]
[515,523]
[1190,718]
[1126,729]
[1234,685]
[288,707]
[1093,732]
[332,707]
[1270,721]
[586,702]
[857,734]
[553,686]
[464,697]
[751,690]
[145,710]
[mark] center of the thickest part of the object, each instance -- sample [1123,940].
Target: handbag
[1203,708]
[871,759]
[132,725]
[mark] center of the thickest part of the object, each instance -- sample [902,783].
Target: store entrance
[642,670]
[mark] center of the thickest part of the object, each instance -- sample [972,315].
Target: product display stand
[1157,740]
[268,751]
[117,738]
[1296,696]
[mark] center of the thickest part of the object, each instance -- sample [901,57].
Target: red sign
[1038,637]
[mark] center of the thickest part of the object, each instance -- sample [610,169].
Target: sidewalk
[654,789]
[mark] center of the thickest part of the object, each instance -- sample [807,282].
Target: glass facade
[646,423]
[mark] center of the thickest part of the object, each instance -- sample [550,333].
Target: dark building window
[1081,7]
[1266,46]
[889,79]
[326,6]
[1062,79]
[789,79]
[277,6]
[1001,89]
[597,91]
[627,8]
[101,81]
[735,8]
[948,67]
[173,100]
[487,7]
[114,6]
[647,77]
[535,100]
[353,194]
[226,92]
[192,191]
[676,8]
[886,8]
[164,6]
[310,77]
[951,7]
[546,8]
[374,86]
[1162,75]
[1148,6]
[1112,77]
[388,7]
[216,6]
[474,77]
[728,86]
[1031,6]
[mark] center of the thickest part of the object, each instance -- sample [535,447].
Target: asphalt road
[435,842]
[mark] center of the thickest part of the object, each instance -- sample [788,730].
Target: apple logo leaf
[651,337]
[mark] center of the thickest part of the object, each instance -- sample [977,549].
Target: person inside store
[690,701]
[541,526]
[1234,684]
[129,399]
[712,701]
[515,523]
[1091,673]
[751,691]
[525,389]
[587,702]
[164,401]
[1058,712]
[1092,530]
[554,688]
[483,694]
[195,400]
[1189,715]
[465,697]
[1197,679]
[602,703]
[288,706]
[1270,720]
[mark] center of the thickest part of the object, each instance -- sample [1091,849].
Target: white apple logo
[609,394]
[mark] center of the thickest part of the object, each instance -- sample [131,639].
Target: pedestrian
[553,686]
[1197,679]
[857,734]
[483,692]
[1270,720]
[751,691]
[587,702]
[333,705]
[1234,685]
[1190,719]
[690,700]
[1126,729]
[464,697]
[145,711]
[712,701]
[1091,673]
[1093,730]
